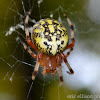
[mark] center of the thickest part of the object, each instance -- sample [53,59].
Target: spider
[49,38]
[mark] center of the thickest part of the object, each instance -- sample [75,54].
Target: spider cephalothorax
[49,38]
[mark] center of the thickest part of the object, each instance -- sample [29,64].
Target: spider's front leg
[27,31]
[72,35]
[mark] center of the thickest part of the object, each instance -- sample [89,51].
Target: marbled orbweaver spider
[49,38]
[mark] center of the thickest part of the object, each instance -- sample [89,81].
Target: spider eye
[45,43]
[62,42]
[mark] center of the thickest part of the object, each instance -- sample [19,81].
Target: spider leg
[35,70]
[69,67]
[29,51]
[44,71]
[27,32]
[54,73]
[35,56]
[60,76]
[68,53]
[72,35]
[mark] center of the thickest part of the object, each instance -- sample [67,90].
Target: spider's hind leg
[27,32]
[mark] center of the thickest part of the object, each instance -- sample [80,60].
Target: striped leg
[44,71]
[35,70]
[27,32]
[65,60]
[60,76]
[70,69]
[35,56]
[72,35]
[68,53]
[29,51]
[54,73]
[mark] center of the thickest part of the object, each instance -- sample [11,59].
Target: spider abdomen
[50,36]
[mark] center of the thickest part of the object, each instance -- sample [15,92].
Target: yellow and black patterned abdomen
[50,36]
